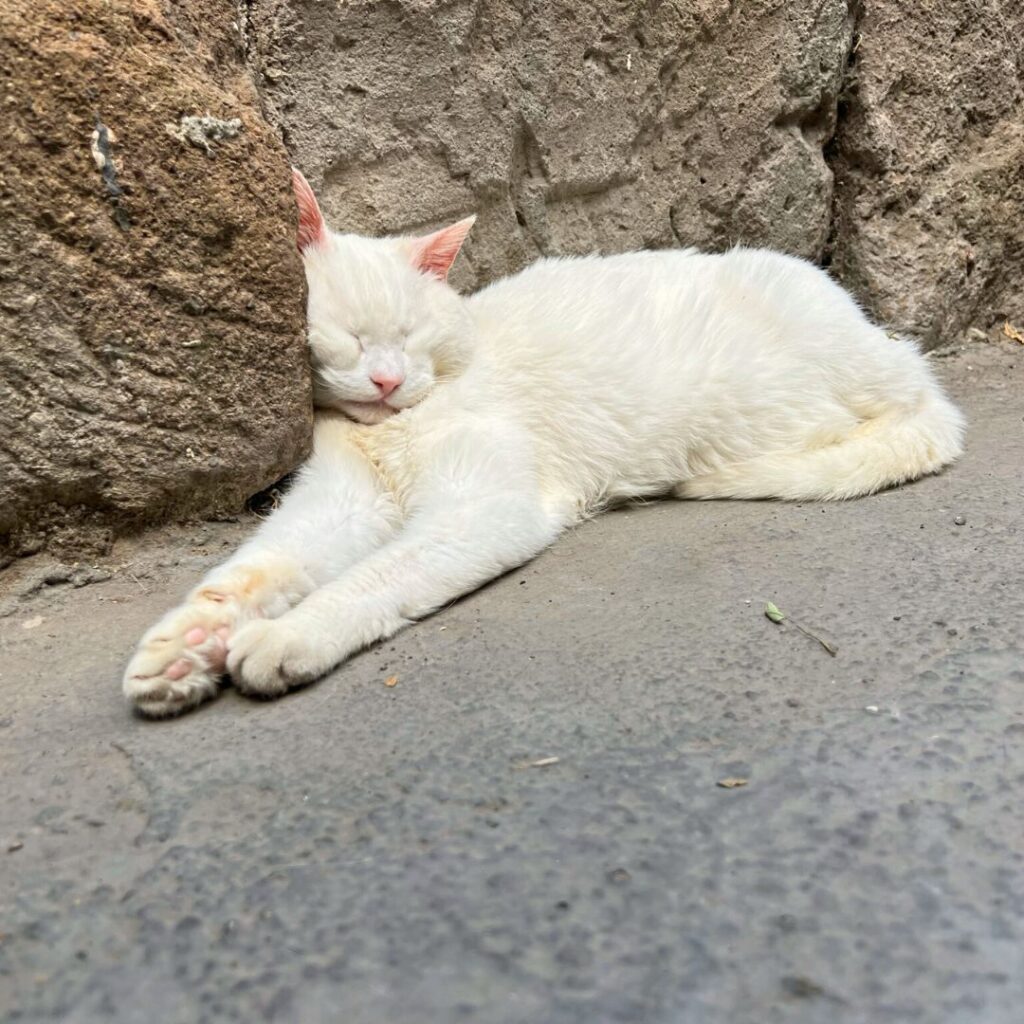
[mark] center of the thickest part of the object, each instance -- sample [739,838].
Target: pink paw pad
[178,669]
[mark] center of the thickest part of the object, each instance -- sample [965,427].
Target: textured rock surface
[930,166]
[578,125]
[568,126]
[374,855]
[151,354]
[152,358]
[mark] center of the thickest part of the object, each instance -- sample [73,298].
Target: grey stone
[568,127]
[883,139]
[929,161]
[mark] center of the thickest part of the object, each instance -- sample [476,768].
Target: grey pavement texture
[388,855]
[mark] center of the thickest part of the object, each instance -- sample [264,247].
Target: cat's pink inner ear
[312,229]
[435,254]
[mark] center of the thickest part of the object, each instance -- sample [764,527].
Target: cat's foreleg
[335,514]
[463,535]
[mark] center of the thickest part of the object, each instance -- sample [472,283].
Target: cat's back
[585,316]
[573,283]
[627,372]
[673,332]
[649,290]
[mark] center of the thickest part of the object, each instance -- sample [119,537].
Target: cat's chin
[369,413]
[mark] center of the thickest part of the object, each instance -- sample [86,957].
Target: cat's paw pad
[178,664]
[267,658]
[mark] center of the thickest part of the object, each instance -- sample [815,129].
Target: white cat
[525,408]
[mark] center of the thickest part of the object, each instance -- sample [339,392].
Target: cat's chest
[387,454]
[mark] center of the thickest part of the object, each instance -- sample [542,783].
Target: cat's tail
[885,450]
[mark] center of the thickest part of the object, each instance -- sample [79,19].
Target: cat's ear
[312,229]
[434,254]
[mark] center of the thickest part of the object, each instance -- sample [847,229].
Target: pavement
[415,854]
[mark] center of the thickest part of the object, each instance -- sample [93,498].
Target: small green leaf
[773,613]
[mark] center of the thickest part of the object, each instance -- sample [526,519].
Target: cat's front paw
[268,658]
[178,663]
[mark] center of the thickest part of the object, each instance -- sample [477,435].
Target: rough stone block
[152,350]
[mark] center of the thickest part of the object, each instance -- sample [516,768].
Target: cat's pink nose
[386,382]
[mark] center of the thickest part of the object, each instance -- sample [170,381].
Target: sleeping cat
[458,437]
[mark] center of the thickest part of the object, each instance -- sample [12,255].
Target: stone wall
[929,162]
[882,137]
[152,350]
[151,340]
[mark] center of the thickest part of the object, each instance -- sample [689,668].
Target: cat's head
[384,326]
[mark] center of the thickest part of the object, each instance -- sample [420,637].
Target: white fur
[370,310]
[576,384]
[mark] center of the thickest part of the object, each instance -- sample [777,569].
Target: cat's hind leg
[885,450]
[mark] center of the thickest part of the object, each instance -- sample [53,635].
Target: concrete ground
[368,854]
